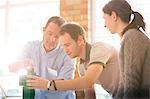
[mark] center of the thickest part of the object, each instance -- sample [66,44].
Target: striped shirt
[55,64]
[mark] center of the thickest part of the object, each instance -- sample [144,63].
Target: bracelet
[54,84]
[49,84]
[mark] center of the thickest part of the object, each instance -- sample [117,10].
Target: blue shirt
[55,64]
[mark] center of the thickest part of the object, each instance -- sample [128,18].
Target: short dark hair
[57,20]
[73,29]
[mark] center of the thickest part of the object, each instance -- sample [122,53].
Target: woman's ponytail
[137,22]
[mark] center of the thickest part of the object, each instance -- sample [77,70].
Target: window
[101,33]
[22,21]
[2,27]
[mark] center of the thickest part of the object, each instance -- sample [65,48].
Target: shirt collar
[44,51]
[87,55]
[42,48]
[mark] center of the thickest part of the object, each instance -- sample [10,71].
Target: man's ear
[114,16]
[43,29]
[81,40]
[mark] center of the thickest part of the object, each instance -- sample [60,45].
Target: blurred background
[23,20]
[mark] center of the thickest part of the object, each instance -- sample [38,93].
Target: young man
[48,60]
[98,63]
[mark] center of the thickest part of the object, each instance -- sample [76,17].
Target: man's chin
[72,56]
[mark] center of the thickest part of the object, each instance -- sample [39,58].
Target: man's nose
[66,49]
[53,39]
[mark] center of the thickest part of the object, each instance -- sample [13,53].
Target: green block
[28,93]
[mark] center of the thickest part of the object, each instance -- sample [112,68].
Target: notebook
[6,94]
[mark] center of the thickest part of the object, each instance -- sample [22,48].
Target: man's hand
[21,64]
[36,82]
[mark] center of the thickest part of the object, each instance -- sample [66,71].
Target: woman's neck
[121,27]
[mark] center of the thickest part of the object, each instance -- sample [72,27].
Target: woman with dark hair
[135,49]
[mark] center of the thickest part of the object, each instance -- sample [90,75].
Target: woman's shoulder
[135,35]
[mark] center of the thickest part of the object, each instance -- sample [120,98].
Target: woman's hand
[36,82]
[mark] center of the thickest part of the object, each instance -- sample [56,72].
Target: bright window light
[22,21]
[100,33]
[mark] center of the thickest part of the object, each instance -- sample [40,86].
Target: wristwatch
[49,84]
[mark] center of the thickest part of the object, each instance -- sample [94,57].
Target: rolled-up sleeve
[100,53]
